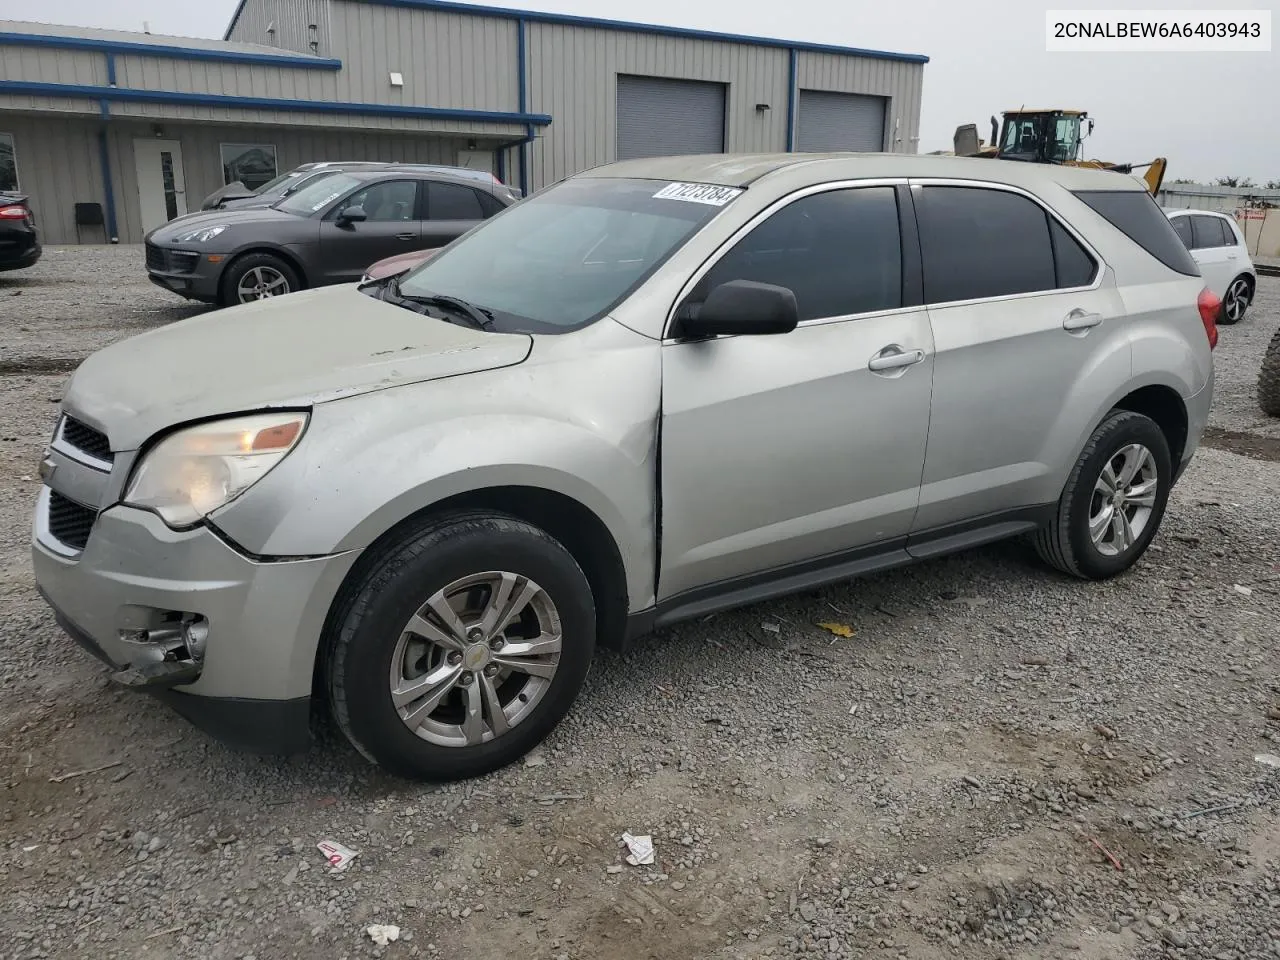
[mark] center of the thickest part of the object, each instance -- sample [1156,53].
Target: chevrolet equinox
[654,390]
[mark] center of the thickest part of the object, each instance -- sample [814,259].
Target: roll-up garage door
[658,117]
[839,121]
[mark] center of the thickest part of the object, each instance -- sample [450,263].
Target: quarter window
[385,202]
[452,201]
[1136,214]
[8,163]
[839,252]
[253,164]
[1073,264]
[979,243]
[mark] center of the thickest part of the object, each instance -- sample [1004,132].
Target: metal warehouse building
[133,129]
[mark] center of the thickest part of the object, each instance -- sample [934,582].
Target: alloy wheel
[1236,301]
[475,659]
[1124,497]
[261,283]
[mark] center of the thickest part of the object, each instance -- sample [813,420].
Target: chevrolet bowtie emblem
[47,468]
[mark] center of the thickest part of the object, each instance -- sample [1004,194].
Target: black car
[19,239]
[325,233]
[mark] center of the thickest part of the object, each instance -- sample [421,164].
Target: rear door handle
[406,236]
[1081,320]
[893,357]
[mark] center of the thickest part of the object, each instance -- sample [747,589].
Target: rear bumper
[1198,406]
[20,253]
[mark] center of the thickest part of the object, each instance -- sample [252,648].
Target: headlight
[199,235]
[193,472]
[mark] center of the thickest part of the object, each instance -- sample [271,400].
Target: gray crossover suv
[327,232]
[654,390]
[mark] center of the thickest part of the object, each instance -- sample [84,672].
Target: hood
[233,189]
[294,351]
[252,202]
[166,232]
[399,263]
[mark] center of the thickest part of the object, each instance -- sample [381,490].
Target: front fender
[366,463]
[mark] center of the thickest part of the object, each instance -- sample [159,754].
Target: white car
[1217,245]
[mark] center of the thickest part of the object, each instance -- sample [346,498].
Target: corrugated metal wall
[900,81]
[285,24]
[573,76]
[59,166]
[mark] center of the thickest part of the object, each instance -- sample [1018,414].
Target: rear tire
[1269,378]
[1097,534]
[257,276]
[1235,303]
[423,678]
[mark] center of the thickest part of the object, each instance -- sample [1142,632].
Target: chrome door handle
[406,236]
[894,357]
[1081,320]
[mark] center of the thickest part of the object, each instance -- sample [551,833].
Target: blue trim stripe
[111,69]
[266,103]
[166,51]
[108,192]
[450,6]
[793,69]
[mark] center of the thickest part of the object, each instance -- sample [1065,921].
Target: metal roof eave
[533,16]
[133,95]
[167,51]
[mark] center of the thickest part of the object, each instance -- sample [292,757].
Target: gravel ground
[999,763]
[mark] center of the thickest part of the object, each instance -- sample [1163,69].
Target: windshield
[564,258]
[318,194]
[1022,136]
[271,185]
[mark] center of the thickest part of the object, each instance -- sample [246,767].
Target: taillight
[1210,306]
[15,211]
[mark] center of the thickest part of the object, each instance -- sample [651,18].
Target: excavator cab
[1040,136]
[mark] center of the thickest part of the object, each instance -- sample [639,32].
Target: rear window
[1136,214]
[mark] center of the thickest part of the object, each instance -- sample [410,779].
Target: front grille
[86,439]
[163,260]
[69,522]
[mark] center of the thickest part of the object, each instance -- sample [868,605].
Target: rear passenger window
[1135,214]
[980,243]
[839,252]
[452,201]
[1207,232]
[1182,227]
[1075,267]
[489,204]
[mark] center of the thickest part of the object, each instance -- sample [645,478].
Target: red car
[400,263]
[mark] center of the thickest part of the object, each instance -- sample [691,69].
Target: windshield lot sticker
[697,193]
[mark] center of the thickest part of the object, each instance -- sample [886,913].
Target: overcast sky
[1211,114]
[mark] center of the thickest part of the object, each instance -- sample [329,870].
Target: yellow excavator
[1047,136]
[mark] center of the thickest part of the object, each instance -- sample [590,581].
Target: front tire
[1269,378]
[257,276]
[1113,501]
[464,645]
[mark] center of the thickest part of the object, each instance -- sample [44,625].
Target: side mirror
[354,214]
[740,307]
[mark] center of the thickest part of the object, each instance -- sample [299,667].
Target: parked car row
[327,231]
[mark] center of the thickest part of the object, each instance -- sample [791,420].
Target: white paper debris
[339,857]
[1270,759]
[641,848]
[770,627]
[382,934]
[1243,591]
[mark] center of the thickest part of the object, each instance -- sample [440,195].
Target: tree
[1236,182]
[1273,184]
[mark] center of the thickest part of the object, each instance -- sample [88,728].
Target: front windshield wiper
[477,317]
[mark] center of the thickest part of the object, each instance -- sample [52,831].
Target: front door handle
[406,236]
[893,357]
[1081,320]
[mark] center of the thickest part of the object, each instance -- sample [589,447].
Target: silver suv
[651,391]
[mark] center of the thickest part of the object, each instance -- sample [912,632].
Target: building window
[253,164]
[8,163]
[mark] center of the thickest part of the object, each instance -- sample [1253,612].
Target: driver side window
[839,252]
[394,201]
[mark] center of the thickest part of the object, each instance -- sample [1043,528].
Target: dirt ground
[998,762]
